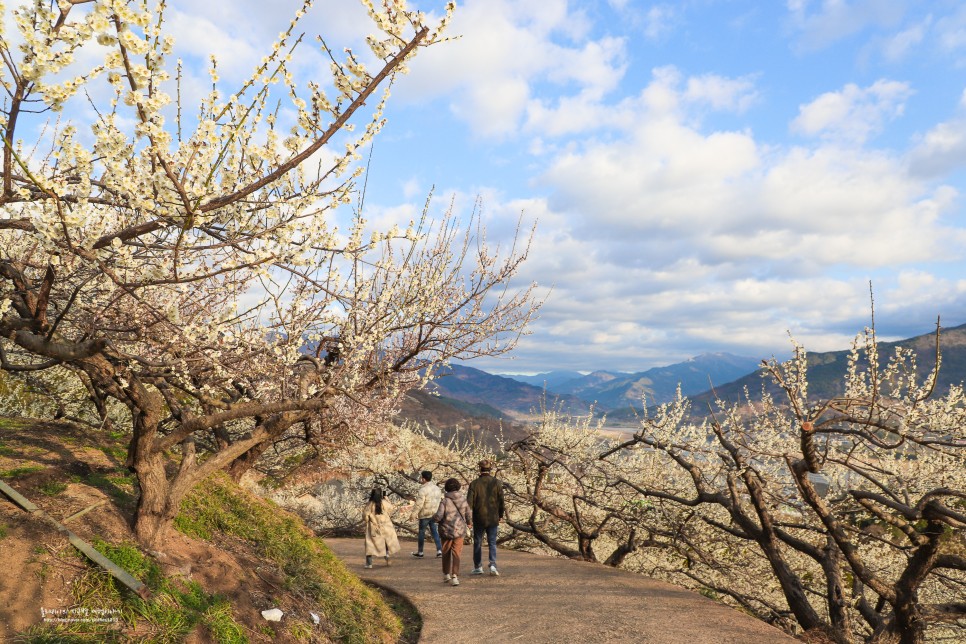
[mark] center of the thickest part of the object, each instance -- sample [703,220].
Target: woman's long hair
[376,497]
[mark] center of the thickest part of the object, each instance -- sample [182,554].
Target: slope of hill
[449,418]
[588,387]
[233,556]
[506,394]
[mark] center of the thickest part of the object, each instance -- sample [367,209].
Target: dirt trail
[548,600]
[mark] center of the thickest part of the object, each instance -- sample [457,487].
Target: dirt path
[550,600]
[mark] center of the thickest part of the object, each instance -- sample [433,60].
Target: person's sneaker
[477,571]
[418,555]
[455,581]
[446,578]
[439,553]
[367,566]
[494,571]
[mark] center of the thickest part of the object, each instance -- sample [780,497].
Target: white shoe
[446,578]
[455,581]
[494,571]
[476,571]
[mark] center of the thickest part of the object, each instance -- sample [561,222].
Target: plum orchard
[838,519]
[177,270]
[843,517]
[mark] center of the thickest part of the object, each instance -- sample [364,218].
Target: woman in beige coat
[381,540]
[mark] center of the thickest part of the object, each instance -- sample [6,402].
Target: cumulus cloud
[942,148]
[505,51]
[853,113]
[674,238]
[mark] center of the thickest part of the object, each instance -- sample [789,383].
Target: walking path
[544,600]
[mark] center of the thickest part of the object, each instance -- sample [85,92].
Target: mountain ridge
[510,398]
[826,371]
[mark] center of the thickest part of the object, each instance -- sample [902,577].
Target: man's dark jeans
[433,530]
[478,531]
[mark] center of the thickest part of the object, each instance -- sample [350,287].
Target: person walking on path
[381,539]
[455,522]
[426,504]
[485,498]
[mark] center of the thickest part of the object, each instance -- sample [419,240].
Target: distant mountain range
[475,394]
[573,392]
[618,390]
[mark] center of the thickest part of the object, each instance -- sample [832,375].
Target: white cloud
[505,50]
[901,44]
[943,147]
[732,94]
[658,21]
[667,226]
[835,20]
[952,31]
[853,113]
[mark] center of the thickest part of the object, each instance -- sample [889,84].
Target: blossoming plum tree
[190,270]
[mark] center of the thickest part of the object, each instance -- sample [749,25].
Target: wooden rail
[116,571]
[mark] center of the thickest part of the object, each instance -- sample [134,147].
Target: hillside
[233,556]
[505,394]
[450,418]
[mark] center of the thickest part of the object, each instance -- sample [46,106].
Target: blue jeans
[478,531]
[433,530]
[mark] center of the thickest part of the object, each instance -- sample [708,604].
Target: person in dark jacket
[485,498]
[454,518]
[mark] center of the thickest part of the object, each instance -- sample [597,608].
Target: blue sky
[705,175]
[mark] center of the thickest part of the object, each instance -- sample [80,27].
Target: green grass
[14,423]
[6,451]
[120,485]
[17,472]
[175,609]
[52,488]
[356,613]
[115,452]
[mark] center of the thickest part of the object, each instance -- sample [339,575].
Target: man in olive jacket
[485,498]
